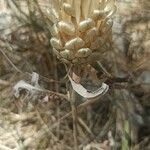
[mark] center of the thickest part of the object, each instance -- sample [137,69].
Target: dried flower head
[81,29]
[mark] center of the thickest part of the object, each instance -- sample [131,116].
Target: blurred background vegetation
[119,120]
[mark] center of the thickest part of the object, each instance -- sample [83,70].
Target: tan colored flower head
[81,29]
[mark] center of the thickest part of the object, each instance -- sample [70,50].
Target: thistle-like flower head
[81,29]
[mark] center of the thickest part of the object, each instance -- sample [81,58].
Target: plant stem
[74,116]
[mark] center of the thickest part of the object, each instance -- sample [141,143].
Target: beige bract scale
[81,29]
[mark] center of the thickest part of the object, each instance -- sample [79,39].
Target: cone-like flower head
[81,29]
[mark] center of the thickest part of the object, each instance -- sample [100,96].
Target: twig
[79,109]
[4,82]
[28,73]
[17,69]
[83,124]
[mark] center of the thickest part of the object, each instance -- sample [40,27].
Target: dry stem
[74,117]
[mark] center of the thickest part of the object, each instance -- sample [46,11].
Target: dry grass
[42,120]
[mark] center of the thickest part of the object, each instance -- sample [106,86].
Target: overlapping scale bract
[82,30]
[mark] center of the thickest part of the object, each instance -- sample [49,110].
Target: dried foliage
[42,119]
